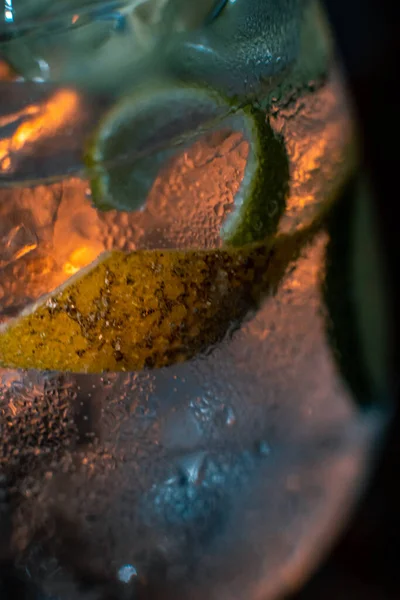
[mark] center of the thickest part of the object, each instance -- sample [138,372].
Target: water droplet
[230,417]
[17,243]
[51,303]
[44,69]
[127,573]
[263,448]
[225,416]
[191,467]
[219,209]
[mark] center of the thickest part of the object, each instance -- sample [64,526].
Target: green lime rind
[140,134]
[265,186]
[125,185]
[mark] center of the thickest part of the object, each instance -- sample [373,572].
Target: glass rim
[9,29]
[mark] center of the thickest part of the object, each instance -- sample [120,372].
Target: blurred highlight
[51,116]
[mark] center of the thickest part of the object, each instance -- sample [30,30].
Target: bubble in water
[18,242]
[229,415]
[192,467]
[219,209]
[127,573]
[263,448]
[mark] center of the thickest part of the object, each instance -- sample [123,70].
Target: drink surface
[174,419]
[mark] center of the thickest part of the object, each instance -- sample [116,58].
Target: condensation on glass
[222,473]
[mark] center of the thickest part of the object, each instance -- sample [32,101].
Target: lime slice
[147,309]
[144,131]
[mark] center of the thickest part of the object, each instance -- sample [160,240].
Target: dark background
[365,564]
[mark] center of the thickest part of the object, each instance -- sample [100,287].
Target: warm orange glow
[80,258]
[313,162]
[13,408]
[319,137]
[314,156]
[6,73]
[25,112]
[25,250]
[74,19]
[6,163]
[50,116]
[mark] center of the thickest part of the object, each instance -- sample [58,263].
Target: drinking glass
[192,333]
